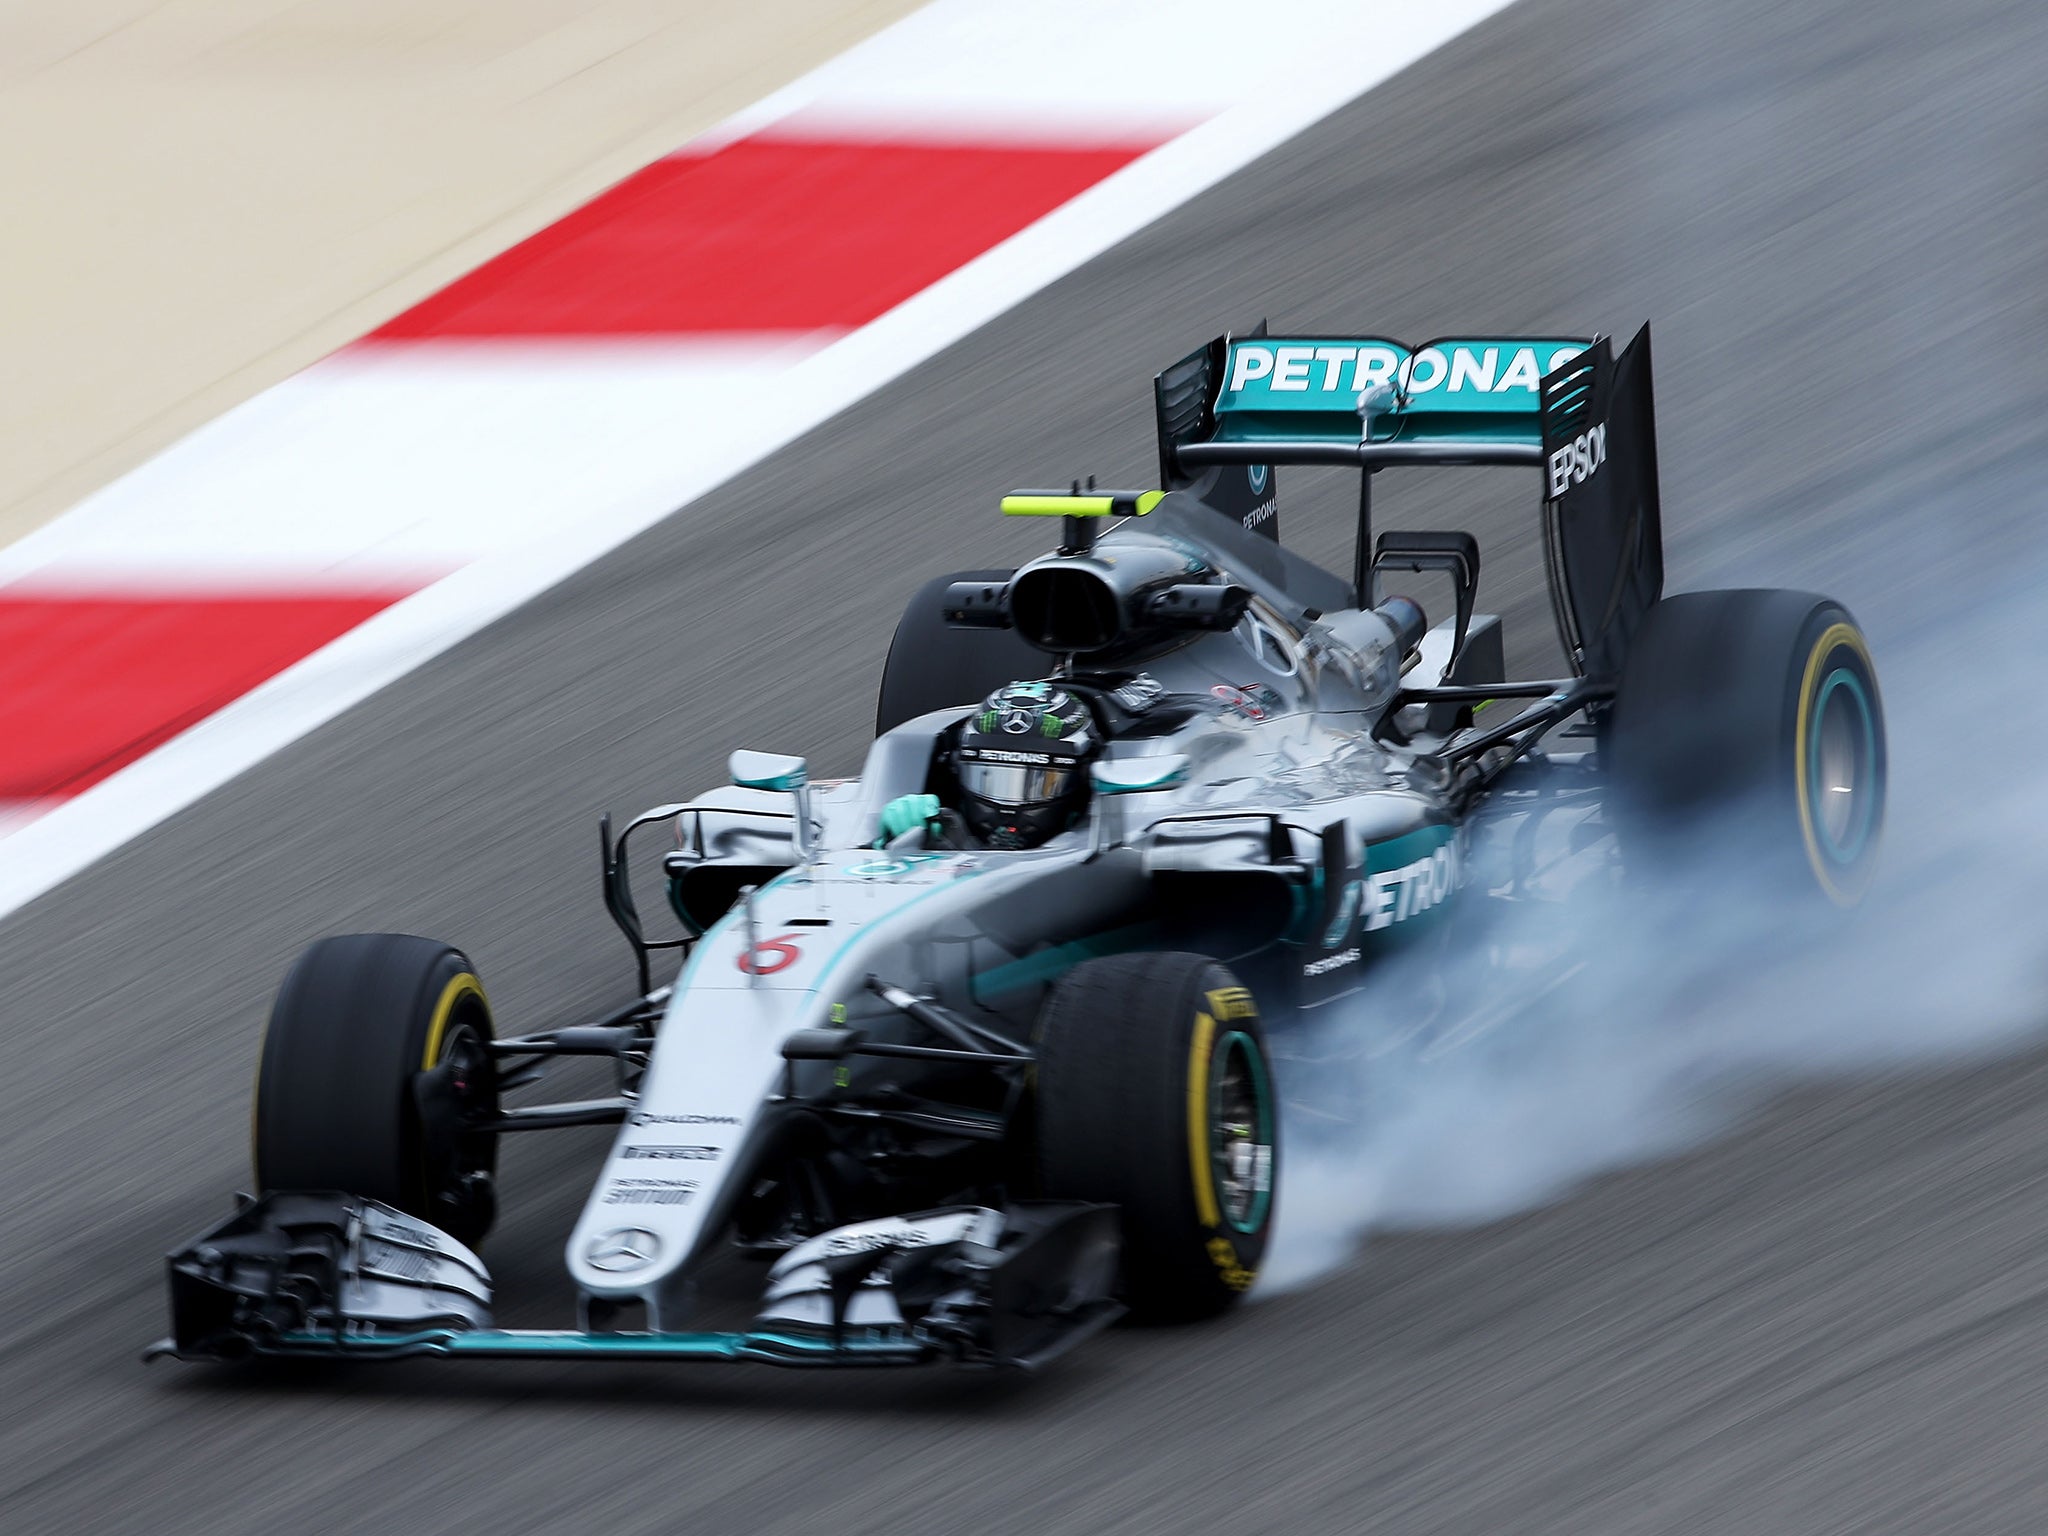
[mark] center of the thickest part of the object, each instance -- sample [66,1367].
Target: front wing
[322,1275]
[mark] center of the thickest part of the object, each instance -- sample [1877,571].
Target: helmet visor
[1016,783]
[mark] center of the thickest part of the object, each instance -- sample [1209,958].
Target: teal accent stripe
[863,930]
[734,914]
[500,1343]
[1263,1130]
[1841,677]
[1049,964]
[1397,852]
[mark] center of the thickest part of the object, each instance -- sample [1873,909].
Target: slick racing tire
[1750,721]
[373,1074]
[932,665]
[1154,1093]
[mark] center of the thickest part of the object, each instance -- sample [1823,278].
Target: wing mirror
[768,770]
[1114,777]
[1139,775]
[776,771]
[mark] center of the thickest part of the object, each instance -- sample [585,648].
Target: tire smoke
[1524,1056]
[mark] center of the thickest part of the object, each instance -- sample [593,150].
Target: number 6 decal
[770,956]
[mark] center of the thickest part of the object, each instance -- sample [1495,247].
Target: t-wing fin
[1602,528]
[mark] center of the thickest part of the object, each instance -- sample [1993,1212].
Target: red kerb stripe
[764,234]
[88,684]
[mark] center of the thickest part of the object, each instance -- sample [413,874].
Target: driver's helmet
[1022,764]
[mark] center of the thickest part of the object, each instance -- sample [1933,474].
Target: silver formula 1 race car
[976,1051]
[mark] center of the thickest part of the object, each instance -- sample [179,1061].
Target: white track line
[1361,46]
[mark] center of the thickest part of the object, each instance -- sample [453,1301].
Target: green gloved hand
[904,813]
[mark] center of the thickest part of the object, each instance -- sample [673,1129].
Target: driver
[1020,768]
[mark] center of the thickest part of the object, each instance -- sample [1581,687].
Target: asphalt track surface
[1836,1320]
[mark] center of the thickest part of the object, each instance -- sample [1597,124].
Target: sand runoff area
[203,196]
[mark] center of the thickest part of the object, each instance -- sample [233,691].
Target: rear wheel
[1154,1093]
[1753,718]
[374,1075]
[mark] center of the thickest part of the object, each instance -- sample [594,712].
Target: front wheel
[376,1080]
[1154,1093]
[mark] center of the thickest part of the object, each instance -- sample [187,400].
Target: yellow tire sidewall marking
[463,984]
[1834,635]
[1198,1121]
[1232,1003]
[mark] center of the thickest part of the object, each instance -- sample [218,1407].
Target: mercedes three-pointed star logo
[625,1248]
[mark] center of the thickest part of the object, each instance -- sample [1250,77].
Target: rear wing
[1363,400]
[1231,412]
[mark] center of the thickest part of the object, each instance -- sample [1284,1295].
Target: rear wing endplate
[1184,401]
[1603,534]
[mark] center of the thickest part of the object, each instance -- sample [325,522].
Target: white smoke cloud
[1651,1027]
